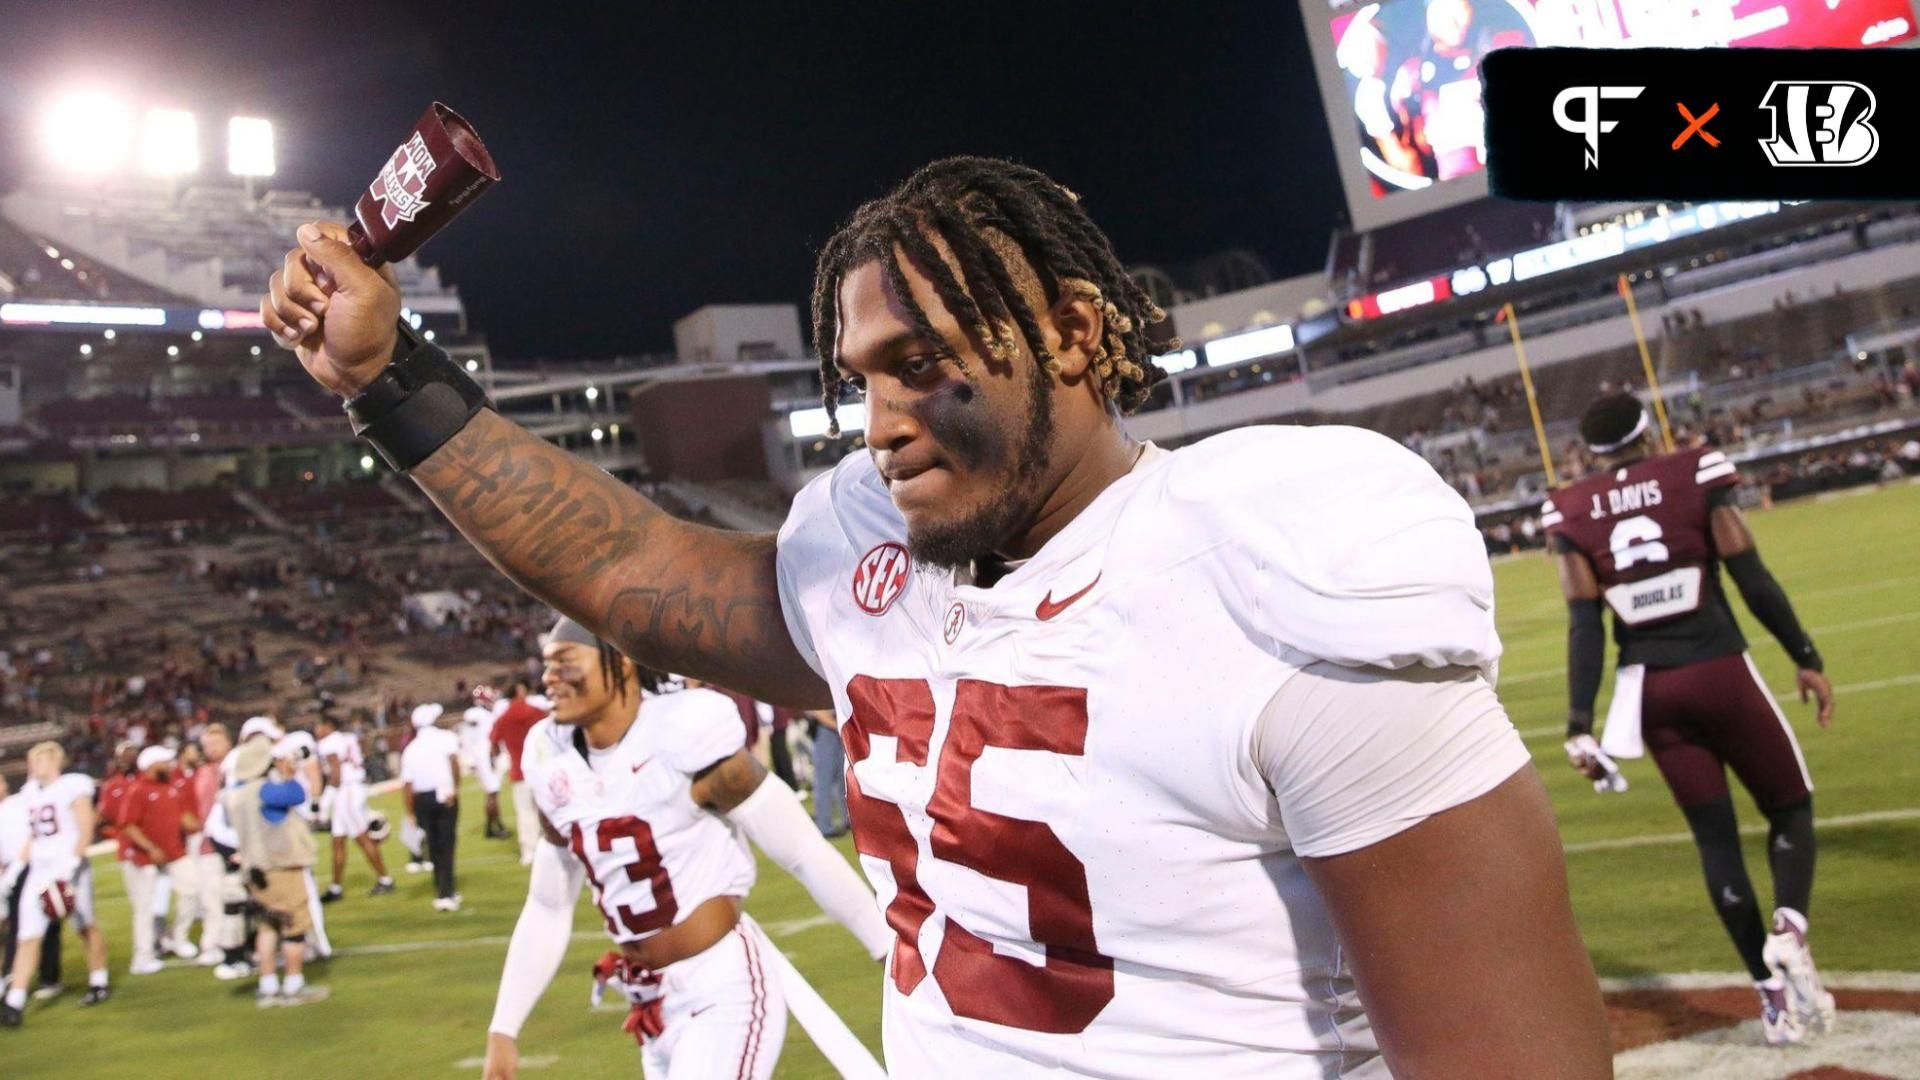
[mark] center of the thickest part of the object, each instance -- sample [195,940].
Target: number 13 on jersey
[1064,994]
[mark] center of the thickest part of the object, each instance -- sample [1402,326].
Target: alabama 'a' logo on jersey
[880,577]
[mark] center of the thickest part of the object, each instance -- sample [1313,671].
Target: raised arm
[675,596]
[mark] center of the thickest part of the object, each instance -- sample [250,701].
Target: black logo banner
[1696,124]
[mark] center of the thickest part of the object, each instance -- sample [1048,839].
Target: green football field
[413,990]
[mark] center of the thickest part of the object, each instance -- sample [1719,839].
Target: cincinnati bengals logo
[1820,123]
[403,181]
[881,577]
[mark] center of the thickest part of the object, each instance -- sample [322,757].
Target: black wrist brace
[420,401]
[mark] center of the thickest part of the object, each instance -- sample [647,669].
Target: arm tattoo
[725,784]
[675,596]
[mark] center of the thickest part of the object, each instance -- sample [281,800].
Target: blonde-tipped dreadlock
[985,211]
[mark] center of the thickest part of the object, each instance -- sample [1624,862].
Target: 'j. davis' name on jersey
[1631,499]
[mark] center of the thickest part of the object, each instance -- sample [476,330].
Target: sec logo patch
[881,577]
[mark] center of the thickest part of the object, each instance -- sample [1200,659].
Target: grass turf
[413,990]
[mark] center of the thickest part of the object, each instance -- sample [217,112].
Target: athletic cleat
[146,967]
[209,957]
[10,1017]
[1787,954]
[334,892]
[230,972]
[381,887]
[306,995]
[185,950]
[1777,1017]
[49,991]
[95,995]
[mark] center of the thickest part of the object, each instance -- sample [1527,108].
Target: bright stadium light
[598,434]
[593,393]
[249,146]
[88,133]
[256,350]
[429,335]
[811,423]
[473,365]
[366,462]
[86,350]
[170,143]
[173,350]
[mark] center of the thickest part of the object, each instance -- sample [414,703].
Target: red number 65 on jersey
[1076,982]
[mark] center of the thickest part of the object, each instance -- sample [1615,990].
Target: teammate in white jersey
[655,811]
[343,764]
[59,879]
[1163,764]
[476,753]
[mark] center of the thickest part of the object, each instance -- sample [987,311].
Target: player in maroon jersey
[1646,535]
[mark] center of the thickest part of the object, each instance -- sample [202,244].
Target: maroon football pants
[1702,719]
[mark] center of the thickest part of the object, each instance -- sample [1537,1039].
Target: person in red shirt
[516,717]
[113,793]
[154,821]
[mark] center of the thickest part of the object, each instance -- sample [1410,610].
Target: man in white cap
[430,773]
[155,821]
[276,856]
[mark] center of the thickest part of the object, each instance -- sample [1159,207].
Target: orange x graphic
[1697,125]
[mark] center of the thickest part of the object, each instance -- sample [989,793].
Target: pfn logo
[1825,124]
[1589,125]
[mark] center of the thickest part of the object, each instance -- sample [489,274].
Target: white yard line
[1842,821]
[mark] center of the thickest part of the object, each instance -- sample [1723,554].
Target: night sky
[682,154]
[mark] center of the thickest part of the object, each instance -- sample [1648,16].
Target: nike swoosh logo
[1049,608]
[644,762]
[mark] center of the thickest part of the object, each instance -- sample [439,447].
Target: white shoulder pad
[76,786]
[836,517]
[697,728]
[1340,544]
[546,740]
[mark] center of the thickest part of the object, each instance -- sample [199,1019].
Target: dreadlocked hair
[987,211]
[618,671]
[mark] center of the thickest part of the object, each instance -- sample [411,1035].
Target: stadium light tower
[87,133]
[169,144]
[249,149]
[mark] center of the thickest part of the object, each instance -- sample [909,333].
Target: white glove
[1584,752]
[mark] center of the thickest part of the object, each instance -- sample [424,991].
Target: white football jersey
[49,809]
[345,746]
[476,724]
[651,853]
[1050,782]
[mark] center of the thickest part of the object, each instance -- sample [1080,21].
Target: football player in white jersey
[1163,763]
[654,810]
[343,764]
[59,881]
[476,753]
